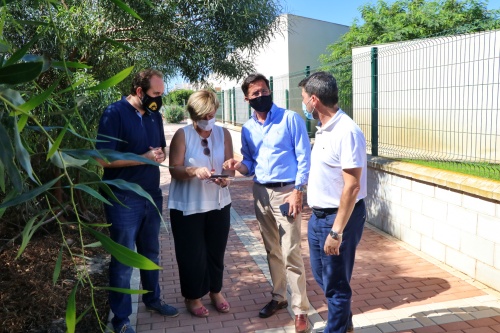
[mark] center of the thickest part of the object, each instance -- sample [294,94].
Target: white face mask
[206,125]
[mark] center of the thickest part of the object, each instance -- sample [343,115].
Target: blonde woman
[199,203]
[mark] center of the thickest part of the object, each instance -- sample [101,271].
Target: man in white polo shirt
[337,186]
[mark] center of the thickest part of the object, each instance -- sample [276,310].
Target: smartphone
[219,176]
[284,208]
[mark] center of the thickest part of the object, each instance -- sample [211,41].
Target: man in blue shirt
[134,125]
[276,151]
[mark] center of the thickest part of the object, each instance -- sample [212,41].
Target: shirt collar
[331,122]
[269,114]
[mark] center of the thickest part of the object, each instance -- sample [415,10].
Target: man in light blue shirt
[276,151]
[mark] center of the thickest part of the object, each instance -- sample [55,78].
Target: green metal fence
[430,99]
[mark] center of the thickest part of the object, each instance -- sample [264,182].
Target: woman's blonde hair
[201,103]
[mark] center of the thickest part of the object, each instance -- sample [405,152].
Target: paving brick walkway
[396,289]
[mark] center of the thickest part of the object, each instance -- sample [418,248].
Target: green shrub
[178,97]
[174,114]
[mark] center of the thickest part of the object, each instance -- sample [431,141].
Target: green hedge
[174,114]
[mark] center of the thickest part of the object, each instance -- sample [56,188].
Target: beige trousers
[281,237]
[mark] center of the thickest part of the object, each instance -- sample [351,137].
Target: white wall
[455,224]
[308,39]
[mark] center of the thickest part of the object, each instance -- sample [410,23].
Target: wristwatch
[300,188]
[335,235]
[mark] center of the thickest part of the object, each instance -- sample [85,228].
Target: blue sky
[337,11]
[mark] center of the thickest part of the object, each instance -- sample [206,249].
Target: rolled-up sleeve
[248,159]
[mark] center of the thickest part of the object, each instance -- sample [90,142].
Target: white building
[299,44]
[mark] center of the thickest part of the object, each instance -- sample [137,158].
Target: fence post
[223,104]
[234,106]
[287,97]
[271,85]
[307,72]
[374,63]
[230,105]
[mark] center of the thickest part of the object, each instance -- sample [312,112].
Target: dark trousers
[333,273]
[200,243]
[136,225]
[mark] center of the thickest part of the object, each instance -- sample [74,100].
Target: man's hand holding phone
[285,208]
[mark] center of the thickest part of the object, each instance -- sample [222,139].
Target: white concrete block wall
[478,205]
[497,257]
[461,262]
[433,248]
[455,227]
[463,219]
[448,196]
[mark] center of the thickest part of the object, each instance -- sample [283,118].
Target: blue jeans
[135,226]
[333,273]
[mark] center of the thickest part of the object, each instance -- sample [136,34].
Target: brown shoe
[271,308]
[301,323]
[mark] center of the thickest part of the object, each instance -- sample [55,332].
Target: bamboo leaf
[62,160]
[12,96]
[22,154]
[109,155]
[56,144]
[108,191]
[127,9]
[124,185]
[4,47]
[23,119]
[72,162]
[57,269]
[30,194]
[7,158]
[20,73]
[113,80]
[124,291]
[35,58]
[28,232]
[95,244]
[7,197]
[39,99]
[69,64]
[80,317]
[71,311]
[72,87]
[92,192]
[124,254]
[101,225]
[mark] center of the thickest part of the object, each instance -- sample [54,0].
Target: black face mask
[151,104]
[261,103]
